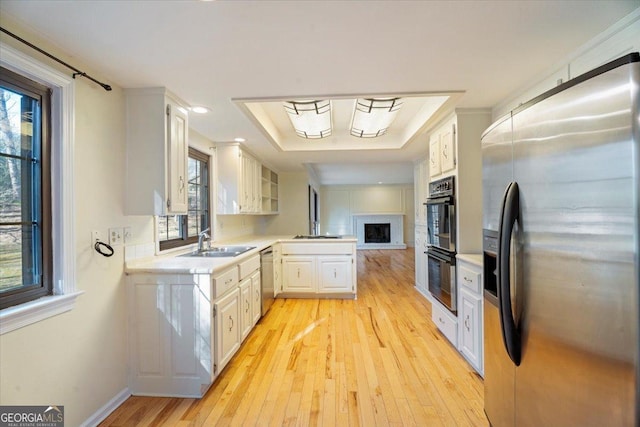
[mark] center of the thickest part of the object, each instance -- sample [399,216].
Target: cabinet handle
[444,153]
[246,310]
[441,321]
[181,184]
[298,273]
[466,323]
[334,273]
[231,320]
[467,280]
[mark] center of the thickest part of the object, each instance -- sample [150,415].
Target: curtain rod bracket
[47,54]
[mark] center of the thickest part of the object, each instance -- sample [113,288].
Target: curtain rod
[75,74]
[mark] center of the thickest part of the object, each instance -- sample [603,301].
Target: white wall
[339,202]
[293,200]
[79,359]
[618,40]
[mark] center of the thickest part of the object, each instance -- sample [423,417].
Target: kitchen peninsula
[188,315]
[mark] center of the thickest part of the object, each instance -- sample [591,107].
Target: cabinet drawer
[447,324]
[247,267]
[470,279]
[317,248]
[224,281]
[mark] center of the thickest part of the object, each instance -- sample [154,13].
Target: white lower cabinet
[470,310]
[185,328]
[227,328]
[421,259]
[250,295]
[298,274]
[256,297]
[169,336]
[445,321]
[246,300]
[277,269]
[334,274]
[318,269]
[470,328]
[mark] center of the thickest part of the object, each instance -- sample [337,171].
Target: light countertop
[475,259]
[173,263]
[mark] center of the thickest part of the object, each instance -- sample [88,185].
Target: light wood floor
[378,360]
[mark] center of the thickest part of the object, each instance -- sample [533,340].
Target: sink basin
[220,252]
[320,236]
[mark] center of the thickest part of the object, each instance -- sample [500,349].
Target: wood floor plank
[376,360]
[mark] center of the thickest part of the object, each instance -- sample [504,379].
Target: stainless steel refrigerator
[561,190]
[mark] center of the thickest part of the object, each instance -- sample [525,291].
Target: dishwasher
[266,275]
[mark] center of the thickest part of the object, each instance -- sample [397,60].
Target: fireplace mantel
[397,231]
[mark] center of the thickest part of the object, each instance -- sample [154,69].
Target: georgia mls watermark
[31,416]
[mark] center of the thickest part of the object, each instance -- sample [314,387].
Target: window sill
[13,318]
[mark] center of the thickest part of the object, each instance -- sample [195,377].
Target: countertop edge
[475,259]
[172,263]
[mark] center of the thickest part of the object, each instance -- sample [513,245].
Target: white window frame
[62,196]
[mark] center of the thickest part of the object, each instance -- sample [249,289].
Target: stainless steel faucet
[201,236]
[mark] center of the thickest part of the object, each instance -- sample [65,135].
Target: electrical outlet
[115,236]
[127,235]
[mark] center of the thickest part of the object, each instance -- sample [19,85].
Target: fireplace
[377,233]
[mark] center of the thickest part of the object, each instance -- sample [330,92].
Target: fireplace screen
[377,233]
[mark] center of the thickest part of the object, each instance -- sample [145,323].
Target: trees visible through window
[180,230]
[25,193]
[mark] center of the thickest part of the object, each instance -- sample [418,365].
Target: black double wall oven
[441,235]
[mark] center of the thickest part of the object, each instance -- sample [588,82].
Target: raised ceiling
[216,53]
[413,117]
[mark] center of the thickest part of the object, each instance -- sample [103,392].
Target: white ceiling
[212,53]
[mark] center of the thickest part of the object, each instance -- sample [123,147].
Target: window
[25,212]
[180,230]
[61,236]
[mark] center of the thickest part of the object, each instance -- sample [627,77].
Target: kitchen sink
[220,252]
[300,236]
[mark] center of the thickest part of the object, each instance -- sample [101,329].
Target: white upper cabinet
[447,148]
[442,149]
[157,151]
[434,155]
[239,181]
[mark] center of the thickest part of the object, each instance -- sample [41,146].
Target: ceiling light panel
[310,119]
[373,116]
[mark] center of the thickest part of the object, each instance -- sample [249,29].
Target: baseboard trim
[107,409]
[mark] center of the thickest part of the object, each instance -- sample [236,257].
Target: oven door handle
[445,200]
[439,256]
[510,213]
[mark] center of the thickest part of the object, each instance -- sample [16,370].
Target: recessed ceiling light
[199,110]
[239,139]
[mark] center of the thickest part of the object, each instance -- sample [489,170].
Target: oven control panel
[442,187]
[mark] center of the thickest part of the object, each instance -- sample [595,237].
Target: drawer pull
[466,323]
[468,280]
[231,325]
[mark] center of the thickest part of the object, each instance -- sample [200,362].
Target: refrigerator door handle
[510,213]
